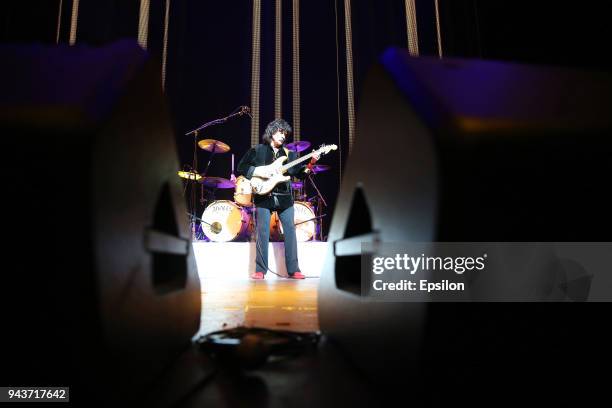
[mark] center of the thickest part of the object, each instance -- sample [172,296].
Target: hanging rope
[438,29]
[349,73]
[411,28]
[73,22]
[165,46]
[339,116]
[255,71]
[59,22]
[476,18]
[143,24]
[278,63]
[296,70]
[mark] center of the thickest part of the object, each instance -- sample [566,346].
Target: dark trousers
[263,238]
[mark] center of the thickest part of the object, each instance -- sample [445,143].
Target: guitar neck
[297,161]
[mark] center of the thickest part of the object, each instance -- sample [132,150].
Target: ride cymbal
[212,145]
[298,146]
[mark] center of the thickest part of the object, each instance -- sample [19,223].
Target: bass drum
[224,221]
[304,230]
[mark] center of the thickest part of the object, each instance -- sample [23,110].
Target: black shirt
[262,155]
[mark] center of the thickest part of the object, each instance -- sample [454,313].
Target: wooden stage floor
[282,304]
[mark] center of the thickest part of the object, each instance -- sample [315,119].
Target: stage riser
[236,260]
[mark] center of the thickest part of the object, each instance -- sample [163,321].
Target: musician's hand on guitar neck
[313,160]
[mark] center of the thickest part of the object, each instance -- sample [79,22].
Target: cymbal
[189,175]
[318,168]
[298,146]
[217,182]
[211,145]
[297,185]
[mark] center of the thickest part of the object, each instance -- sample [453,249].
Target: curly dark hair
[275,126]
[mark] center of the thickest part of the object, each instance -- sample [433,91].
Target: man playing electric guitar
[255,167]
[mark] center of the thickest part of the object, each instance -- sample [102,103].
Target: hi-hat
[189,175]
[217,182]
[318,168]
[212,145]
[298,146]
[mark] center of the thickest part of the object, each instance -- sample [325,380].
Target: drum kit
[226,220]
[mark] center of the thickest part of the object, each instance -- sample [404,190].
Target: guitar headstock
[324,149]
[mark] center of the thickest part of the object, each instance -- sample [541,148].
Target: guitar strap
[260,154]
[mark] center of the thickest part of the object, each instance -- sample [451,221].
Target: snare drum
[243,194]
[304,231]
[225,221]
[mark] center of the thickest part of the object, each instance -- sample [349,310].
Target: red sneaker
[297,275]
[258,276]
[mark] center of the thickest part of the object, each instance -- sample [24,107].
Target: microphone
[247,110]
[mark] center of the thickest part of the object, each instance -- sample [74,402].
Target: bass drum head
[304,231]
[224,221]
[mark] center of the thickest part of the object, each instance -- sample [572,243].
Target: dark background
[208,76]
[209,56]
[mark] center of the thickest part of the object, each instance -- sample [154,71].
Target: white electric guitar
[263,185]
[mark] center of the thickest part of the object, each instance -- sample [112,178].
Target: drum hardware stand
[212,154]
[194,167]
[243,110]
[320,200]
[211,197]
[232,175]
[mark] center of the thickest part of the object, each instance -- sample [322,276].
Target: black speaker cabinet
[99,275]
[458,150]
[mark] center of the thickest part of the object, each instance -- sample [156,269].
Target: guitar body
[261,185]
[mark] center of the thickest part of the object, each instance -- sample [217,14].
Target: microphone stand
[201,220]
[243,110]
[195,217]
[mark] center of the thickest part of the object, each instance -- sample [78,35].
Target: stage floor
[236,260]
[230,299]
